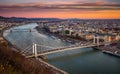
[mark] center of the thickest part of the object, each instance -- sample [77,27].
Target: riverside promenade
[112,50]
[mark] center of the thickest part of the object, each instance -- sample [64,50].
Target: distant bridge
[20,30]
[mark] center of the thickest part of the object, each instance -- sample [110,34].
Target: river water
[78,61]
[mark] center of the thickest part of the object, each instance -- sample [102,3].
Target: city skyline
[85,9]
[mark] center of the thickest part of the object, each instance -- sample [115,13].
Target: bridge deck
[61,50]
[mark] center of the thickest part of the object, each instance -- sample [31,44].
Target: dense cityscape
[75,31]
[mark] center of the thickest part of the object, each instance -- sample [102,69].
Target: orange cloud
[75,10]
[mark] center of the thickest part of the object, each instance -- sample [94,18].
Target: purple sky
[61,8]
[53,1]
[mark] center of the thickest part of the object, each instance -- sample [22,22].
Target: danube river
[78,61]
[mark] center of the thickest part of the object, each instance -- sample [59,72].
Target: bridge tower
[96,40]
[35,50]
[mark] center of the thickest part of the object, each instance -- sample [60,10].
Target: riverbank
[109,50]
[111,53]
[26,66]
[7,66]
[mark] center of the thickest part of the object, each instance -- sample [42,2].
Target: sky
[84,9]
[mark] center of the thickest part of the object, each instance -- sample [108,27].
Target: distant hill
[1,17]
[23,18]
[50,19]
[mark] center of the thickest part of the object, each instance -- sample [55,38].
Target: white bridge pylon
[96,40]
[34,48]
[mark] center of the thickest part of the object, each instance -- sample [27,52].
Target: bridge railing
[53,49]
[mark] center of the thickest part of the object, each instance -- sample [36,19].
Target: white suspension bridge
[35,53]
